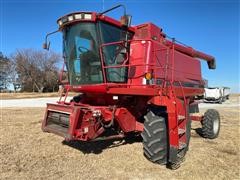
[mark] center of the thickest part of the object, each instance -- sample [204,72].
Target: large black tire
[227,97]
[155,139]
[211,124]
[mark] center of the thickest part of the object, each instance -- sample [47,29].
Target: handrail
[156,66]
[192,52]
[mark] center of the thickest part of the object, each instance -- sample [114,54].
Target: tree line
[30,70]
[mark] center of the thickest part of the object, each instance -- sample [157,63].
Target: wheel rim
[215,126]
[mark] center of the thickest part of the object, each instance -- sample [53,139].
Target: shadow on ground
[198,131]
[97,147]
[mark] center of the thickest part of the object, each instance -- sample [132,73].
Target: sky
[211,26]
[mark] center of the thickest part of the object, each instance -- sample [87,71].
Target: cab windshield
[80,48]
[81,51]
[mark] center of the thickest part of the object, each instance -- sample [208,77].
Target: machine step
[181,131]
[180,117]
[182,145]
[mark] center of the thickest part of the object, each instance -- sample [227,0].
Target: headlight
[88,16]
[78,16]
[96,113]
[70,18]
[60,22]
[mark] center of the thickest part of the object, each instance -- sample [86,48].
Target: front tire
[155,141]
[211,124]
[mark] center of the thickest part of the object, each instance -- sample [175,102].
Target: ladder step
[180,117]
[181,131]
[182,145]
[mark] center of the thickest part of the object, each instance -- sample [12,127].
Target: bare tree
[36,70]
[4,79]
[13,75]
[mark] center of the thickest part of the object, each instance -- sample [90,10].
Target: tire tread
[155,138]
[207,124]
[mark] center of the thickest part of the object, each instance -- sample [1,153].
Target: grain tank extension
[130,80]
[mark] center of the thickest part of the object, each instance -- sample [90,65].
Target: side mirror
[126,20]
[46,46]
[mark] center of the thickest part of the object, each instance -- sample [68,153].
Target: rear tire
[211,124]
[155,141]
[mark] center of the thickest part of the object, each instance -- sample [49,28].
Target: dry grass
[28,153]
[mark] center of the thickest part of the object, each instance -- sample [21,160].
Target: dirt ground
[28,153]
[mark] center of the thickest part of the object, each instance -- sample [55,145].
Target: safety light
[148,76]
[96,113]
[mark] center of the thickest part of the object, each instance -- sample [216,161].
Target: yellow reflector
[148,76]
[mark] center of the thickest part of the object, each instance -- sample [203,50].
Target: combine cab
[130,80]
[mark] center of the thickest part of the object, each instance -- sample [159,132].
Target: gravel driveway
[32,102]
[41,102]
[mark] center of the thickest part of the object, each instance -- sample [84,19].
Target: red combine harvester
[131,80]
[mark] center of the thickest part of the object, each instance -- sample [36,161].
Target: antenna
[115,7]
